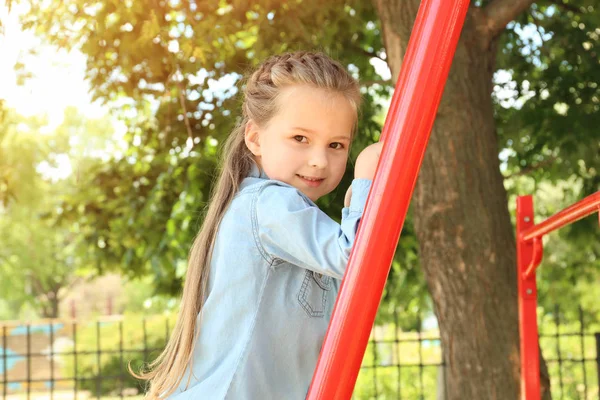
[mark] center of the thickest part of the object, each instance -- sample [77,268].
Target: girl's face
[306,143]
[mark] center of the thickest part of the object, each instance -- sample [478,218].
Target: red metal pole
[529,256]
[579,210]
[528,329]
[406,132]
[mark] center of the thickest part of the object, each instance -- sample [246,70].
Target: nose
[318,159]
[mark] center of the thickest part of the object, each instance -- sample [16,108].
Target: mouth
[311,180]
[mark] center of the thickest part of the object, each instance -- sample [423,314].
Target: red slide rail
[529,256]
[405,133]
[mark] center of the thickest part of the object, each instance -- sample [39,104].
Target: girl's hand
[367,160]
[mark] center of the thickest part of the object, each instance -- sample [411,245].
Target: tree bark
[461,216]
[50,305]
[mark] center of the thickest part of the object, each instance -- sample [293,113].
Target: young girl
[265,268]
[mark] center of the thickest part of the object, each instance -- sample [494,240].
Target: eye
[336,145]
[301,139]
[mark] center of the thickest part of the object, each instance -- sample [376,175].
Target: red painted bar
[406,132]
[579,210]
[527,292]
[529,256]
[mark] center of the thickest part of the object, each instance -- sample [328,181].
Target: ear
[251,137]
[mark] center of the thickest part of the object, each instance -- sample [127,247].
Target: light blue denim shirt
[274,276]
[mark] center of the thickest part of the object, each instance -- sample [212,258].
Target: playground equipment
[529,256]
[406,132]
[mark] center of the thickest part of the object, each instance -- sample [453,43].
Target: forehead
[313,109]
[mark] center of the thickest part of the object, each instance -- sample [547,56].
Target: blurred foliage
[170,71]
[141,298]
[40,258]
[19,152]
[550,120]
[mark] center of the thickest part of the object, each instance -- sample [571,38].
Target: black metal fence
[54,357]
[74,359]
[416,370]
[572,353]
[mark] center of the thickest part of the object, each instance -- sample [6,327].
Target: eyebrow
[299,128]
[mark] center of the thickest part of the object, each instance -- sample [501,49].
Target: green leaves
[551,54]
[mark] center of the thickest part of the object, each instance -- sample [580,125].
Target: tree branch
[500,12]
[531,168]
[38,287]
[181,96]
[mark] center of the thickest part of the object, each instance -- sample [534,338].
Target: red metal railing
[529,256]
[405,134]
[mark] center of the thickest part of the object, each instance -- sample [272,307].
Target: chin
[314,199]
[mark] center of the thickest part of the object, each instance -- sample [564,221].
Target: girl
[265,268]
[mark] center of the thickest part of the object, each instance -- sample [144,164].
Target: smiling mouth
[311,181]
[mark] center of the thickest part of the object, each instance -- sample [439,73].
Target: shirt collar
[257,172]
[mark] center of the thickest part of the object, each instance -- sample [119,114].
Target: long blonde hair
[260,104]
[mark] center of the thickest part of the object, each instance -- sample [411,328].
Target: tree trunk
[461,218]
[50,305]
[54,304]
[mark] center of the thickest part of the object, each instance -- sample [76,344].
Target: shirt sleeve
[291,228]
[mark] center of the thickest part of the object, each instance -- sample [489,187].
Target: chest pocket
[314,292]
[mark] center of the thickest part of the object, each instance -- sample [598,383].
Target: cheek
[288,154]
[278,160]
[340,162]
